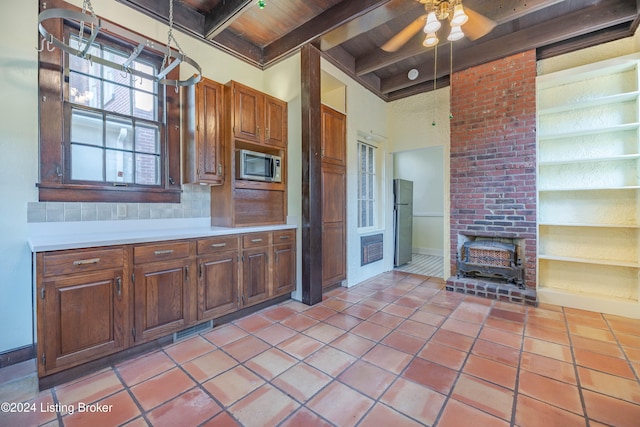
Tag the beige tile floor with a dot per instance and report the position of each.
(397, 350)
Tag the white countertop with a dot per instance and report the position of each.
(52, 236)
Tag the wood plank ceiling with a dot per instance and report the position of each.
(351, 33)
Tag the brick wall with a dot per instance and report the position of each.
(493, 154)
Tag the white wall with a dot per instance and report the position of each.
(19, 171)
(417, 123)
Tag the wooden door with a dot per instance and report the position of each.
(83, 318)
(333, 136)
(217, 285)
(333, 225)
(284, 268)
(161, 299)
(248, 113)
(209, 157)
(255, 285)
(275, 122)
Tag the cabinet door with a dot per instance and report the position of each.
(275, 122)
(209, 98)
(161, 299)
(333, 136)
(333, 225)
(255, 276)
(284, 269)
(217, 285)
(248, 113)
(83, 318)
(333, 254)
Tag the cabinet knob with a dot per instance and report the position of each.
(256, 240)
(119, 286)
(219, 169)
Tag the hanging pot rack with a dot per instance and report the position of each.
(171, 59)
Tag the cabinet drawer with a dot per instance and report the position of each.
(68, 262)
(217, 244)
(254, 240)
(160, 252)
(284, 236)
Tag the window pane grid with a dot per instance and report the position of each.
(115, 132)
(366, 185)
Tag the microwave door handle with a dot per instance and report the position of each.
(273, 168)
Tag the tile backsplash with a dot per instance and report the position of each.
(195, 203)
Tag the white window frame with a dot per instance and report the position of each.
(369, 173)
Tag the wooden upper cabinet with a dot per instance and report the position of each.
(275, 122)
(248, 113)
(203, 141)
(257, 117)
(333, 136)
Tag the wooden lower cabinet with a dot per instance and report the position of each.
(162, 292)
(93, 303)
(217, 285)
(255, 268)
(82, 302)
(284, 262)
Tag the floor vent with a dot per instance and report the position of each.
(194, 330)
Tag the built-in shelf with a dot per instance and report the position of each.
(589, 261)
(587, 132)
(588, 182)
(587, 225)
(623, 157)
(594, 102)
(628, 187)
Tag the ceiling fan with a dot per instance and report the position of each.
(452, 12)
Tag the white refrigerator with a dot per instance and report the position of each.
(402, 221)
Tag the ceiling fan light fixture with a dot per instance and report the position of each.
(433, 24)
(459, 16)
(455, 34)
(431, 40)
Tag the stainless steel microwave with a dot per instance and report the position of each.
(257, 166)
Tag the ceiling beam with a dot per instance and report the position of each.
(501, 12)
(223, 15)
(185, 18)
(368, 22)
(328, 20)
(575, 24)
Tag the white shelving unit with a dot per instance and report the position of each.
(589, 187)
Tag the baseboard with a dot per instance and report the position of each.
(17, 355)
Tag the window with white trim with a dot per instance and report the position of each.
(366, 185)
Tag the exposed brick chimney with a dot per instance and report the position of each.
(493, 154)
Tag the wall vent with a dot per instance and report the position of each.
(193, 330)
(371, 248)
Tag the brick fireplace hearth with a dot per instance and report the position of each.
(493, 167)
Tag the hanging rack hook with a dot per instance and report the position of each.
(176, 86)
(42, 41)
(50, 46)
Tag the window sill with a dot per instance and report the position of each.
(75, 193)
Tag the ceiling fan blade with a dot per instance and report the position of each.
(478, 25)
(406, 34)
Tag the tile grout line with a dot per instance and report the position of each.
(575, 369)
